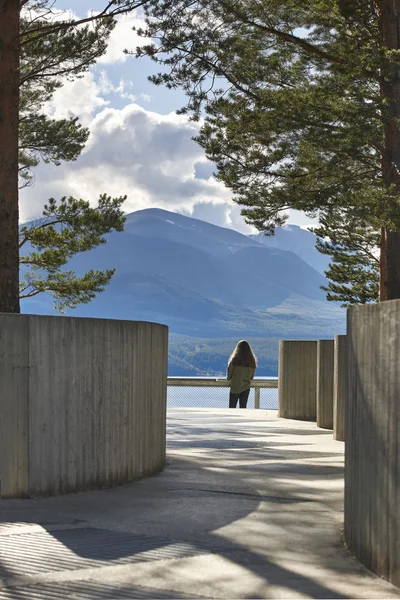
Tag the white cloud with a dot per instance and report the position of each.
(224, 215)
(106, 87)
(123, 37)
(299, 218)
(79, 98)
(83, 96)
(147, 156)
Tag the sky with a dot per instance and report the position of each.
(138, 145)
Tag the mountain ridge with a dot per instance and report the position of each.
(205, 280)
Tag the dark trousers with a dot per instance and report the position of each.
(242, 397)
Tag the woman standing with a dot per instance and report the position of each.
(241, 369)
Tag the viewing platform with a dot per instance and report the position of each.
(248, 506)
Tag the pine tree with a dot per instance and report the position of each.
(67, 227)
(301, 105)
(45, 56)
(353, 247)
(37, 48)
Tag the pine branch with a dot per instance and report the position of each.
(287, 37)
(106, 13)
(32, 294)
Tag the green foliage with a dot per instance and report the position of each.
(46, 57)
(49, 140)
(294, 112)
(54, 48)
(67, 227)
(354, 272)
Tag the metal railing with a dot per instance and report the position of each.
(192, 384)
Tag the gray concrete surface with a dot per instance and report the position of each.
(297, 373)
(82, 403)
(14, 405)
(372, 433)
(249, 506)
(325, 368)
(340, 386)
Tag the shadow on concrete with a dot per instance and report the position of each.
(177, 514)
(248, 431)
(302, 431)
(78, 590)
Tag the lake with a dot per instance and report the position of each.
(210, 397)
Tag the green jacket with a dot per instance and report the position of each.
(240, 378)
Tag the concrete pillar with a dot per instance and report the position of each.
(339, 386)
(297, 380)
(325, 365)
(372, 432)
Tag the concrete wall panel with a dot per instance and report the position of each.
(372, 433)
(340, 386)
(297, 386)
(325, 368)
(96, 398)
(14, 423)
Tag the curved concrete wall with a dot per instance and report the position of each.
(372, 433)
(82, 403)
(297, 385)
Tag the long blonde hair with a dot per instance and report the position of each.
(242, 356)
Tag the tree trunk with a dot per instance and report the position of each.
(393, 266)
(390, 90)
(9, 110)
(382, 267)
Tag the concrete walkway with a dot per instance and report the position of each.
(249, 506)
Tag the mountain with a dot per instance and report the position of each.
(197, 357)
(207, 281)
(296, 240)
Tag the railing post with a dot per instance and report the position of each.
(256, 397)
